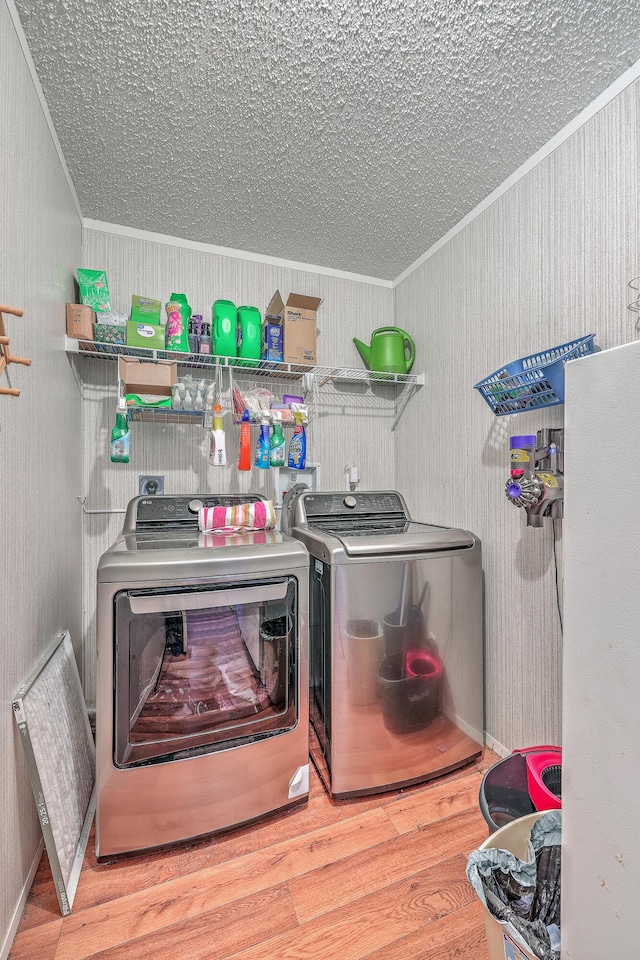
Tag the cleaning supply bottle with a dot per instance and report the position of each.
(178, 316)
(120, 437)
(224, 328)
(263, 447)
(298, 444)
(278, 445)
(218, 451)
(244, 453)
(204, 340)
(249, 336)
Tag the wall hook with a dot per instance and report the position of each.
(6, 357)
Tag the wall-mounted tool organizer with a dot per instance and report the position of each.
(6, 357)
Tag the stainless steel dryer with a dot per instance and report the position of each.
(396, 641)
(202, 702)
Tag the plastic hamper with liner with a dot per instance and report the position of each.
(516, 874)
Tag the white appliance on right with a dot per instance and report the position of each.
(601, 657)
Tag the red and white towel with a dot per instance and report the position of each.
(244, 517)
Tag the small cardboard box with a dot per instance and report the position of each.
(149, 335)
(80, 320)
(148, 376)
(298, 318)
(144, 310)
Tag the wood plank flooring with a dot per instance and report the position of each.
(373, 878)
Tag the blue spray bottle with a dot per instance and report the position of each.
(298, 444)
(263, 448)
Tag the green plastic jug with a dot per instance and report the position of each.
(224, 323)
(249, 333)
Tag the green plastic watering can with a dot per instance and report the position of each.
(388, 350)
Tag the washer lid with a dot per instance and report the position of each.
(186, 554)
(373, 538)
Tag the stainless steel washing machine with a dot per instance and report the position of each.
(396, 641)
(202, 701)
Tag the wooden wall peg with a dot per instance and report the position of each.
(5, 356)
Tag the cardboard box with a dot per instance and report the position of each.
(298, 318)
(148, 376)
(148, 335)
(144, 310)
(271, 341)
(80, 320)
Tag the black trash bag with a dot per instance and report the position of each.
(525, 894)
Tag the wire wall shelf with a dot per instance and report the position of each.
(301, 379)
(266, 368)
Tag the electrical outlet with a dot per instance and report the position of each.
(286, 477)
(149, 486)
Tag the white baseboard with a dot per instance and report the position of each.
(17, 914)
(493, 745)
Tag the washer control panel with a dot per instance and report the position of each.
(149, 513)
(350, 504)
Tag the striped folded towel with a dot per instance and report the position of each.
(244, 517)
(251, 537)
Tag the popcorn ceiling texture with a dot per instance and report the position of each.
(351, 134)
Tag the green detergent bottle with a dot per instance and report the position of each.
(249, 334)
(224, 321)
(178, 316)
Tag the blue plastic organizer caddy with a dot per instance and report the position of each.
(532, 382)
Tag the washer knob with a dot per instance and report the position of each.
(350, 502)
(194, 505)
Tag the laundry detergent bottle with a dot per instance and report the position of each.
(249, 336)
(224, 327)
(178, 316)
(298, 444)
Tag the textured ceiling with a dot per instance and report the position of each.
(352, 134)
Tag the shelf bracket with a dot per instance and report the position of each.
(402, 402)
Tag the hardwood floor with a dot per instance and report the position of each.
(381, 878)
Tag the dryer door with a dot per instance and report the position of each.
(203, 668)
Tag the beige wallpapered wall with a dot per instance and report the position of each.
(353, 423)
(40, 437)
(547, 263)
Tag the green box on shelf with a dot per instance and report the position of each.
(108, 333)
(147, 335)
(144, 310)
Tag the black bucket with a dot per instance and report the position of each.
(410, 701)
(274, 642)
(504, 792)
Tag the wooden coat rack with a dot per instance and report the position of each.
(6, 357)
